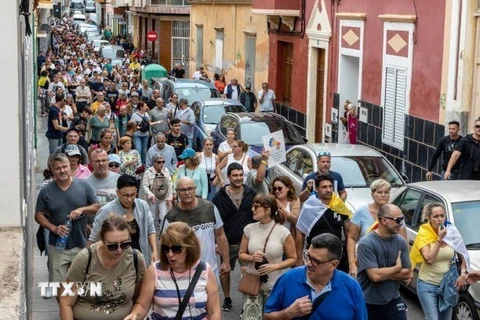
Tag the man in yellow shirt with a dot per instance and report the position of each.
(99, 102)
(134, 65)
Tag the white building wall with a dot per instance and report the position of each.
(10, 202)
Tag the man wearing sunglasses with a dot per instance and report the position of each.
(317, 290)
(166, 151)
(323, 165)
(383, 262)
(467, 152)
(203, 217)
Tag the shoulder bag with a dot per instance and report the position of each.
(250, 283)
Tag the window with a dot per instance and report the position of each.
(293, 159)
(285, 51)
(219, 50)
(181, 44)
(394, 106)
(426, 200)
(199, 54)
(228, 123)
(408, 203)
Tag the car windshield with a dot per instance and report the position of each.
(212, 114)
(252, 132)
(464, 213)
(193, 94)
(360, 172)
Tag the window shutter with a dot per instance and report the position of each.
(400, 95)
(389, 106)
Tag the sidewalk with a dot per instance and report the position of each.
(43, 309)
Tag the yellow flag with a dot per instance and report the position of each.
(425, 236)
(338, 206)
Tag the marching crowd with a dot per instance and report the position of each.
(170, 211)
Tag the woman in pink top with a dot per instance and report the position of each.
(78, 170)
(352, 119)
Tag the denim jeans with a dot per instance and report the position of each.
(54, 144)
(141, 146)
(428, 296)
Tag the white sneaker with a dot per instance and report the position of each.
(48, 293)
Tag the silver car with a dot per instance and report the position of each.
(358, 165)
(461, 200)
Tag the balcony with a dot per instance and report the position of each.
(178, 3)
(285, 8)
(121, 3)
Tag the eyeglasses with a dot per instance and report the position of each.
(313, 261)
(176, 249)
(185, 190)
(324, 154)
(160, 162)
(275, 189)
(123, 246)
(113, 165)
(397, 220)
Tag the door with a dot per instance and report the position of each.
(348, 90)
(319, 108)
(250, 43)
(181, 45)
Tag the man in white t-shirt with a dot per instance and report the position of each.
(204, 219)
(198, 74)
(266, 97)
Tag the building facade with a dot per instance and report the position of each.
(227, 38)
(170, 20)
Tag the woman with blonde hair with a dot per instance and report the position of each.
(435, 247)
(263, 247)
(166, 283)
(352, 122)
(239, 155)
(130, 158)
(365, 219)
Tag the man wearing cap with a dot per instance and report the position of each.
(79, 171)
(134, 100)
(73, 136)
(187, 119)
(114, 163)
(165, 150)
(323, 165)
(248, 99)
(266, 97)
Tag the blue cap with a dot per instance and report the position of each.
(187, 153)
(114, 158)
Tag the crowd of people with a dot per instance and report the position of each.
(128, 203)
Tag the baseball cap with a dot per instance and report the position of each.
(72, 150)
(187, 153)
(134, 94)
(183, 100)
(73, 129)
(114, 158)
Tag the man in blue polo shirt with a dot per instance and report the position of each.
(317, 289)
(323, 164)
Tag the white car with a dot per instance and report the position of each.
(79, 18)
(461, 199)
(97, 44)
(359, 166)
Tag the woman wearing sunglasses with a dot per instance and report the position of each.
(129, 157)
(166, 282)
(287, 201)
(156, 189)
(112, 262)
(268, 233)
(239, 155)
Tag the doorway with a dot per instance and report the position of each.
(319, 107)
(349, 75)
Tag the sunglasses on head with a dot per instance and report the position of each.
(324, 153)
(275, 189)
(112, 165)
(176, 248)
(123, 246)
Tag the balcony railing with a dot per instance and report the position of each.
(277, 7)
(169, 3)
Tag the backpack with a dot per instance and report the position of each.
(144, 125)
(159, 186)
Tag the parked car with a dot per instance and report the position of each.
(359, 166)
(98, 44)
(461, 200)
(208, 113)
(76, 6)
(251, 127)
(79, 18)
(115, 53)
(192, 90)
(90, 6)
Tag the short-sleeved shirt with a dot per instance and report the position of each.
(159, 115)
(267, 104)
(54, 113)
(58, 204)
(470, 158)
(337, 180)
(373, 252)
(97, 125)
(118, 285)
(137, 117)
(363, 218)
(260, 188)
(344, 302)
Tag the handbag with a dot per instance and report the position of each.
(250, 283)
(448, 296)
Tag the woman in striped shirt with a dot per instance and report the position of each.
(166, 282)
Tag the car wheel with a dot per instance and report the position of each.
(465, 310)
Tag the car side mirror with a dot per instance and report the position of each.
(404, 176)
(305, 140)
